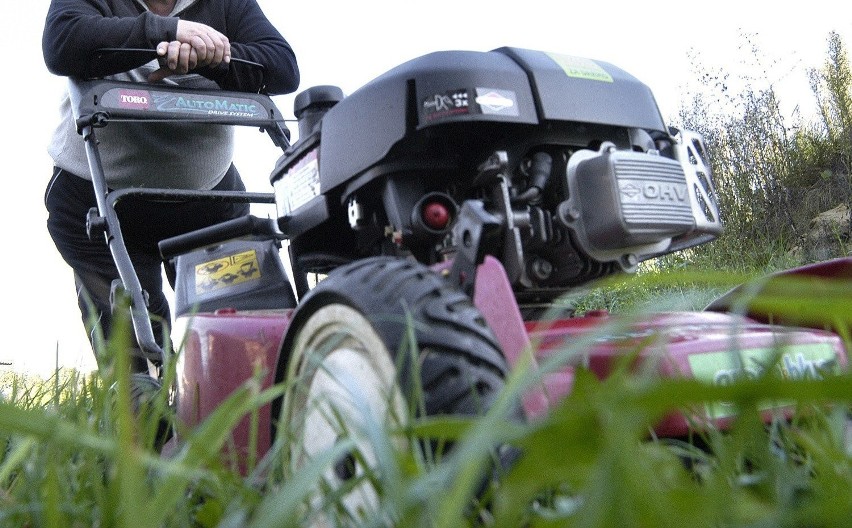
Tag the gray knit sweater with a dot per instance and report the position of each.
(157, 155)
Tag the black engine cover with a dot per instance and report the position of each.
(507, 85)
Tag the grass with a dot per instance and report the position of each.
(75, 456)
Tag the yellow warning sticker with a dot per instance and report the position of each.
(581, 67)
(226, 271)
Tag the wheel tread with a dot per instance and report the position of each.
(458, 353)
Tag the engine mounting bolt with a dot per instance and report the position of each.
(541, 268)
(569, 213)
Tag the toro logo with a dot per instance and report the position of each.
(137, 99)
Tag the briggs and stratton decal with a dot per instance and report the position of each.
(189, 103)
(796, 362)
(580, 67)
(226, 271)
(448, 104)
(493, 101)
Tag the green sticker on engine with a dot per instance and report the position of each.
(812, 361)
(580, 67)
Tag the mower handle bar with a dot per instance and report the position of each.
(152, 54)
(103, 219)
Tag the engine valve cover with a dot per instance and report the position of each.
(627, 205)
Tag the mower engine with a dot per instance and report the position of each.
(559, 166)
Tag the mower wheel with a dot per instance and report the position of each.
(375, 343)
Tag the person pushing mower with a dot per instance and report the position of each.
(194, 42)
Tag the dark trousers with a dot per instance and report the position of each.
(144, 223)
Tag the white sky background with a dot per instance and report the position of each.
(347, 44)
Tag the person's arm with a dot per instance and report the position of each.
(254, 38)
(75, 29)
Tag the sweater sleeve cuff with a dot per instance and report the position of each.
(160, 29)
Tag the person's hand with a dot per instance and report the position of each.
(175, 58)
(197, 45)
(211, 46)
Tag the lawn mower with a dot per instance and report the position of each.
(432, 220)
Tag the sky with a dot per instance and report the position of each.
(349, 43)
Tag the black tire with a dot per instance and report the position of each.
(365, 313)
